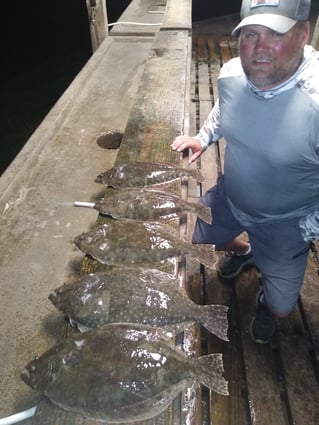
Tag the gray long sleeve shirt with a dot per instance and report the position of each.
(272, 142)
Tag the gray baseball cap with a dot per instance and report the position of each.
(278, 15)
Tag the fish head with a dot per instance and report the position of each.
(43, 370)
(93, 237)
(101, 178)
(79, 295)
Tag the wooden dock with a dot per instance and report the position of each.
(273, 384)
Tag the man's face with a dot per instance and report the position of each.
(269, 58)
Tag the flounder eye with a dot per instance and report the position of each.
(67, 357)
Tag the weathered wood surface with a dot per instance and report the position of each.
(148, 13)
(159, 110)
(97, 22)
(268, 384)
(178, 15)
(315, 34)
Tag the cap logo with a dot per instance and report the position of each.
(259, 3)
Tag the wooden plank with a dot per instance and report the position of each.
(214, 59)
(204, 92)
(264, 392)
(315, 36)
(230, 410)
(149, 13)
(178, 15)
(233, 45)
(225, 51)
(158, 115)
(191, 399)
(299, 374)
(97, 21)
(309, 304)
(201, 49)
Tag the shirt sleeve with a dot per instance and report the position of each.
(210, 131)
(309, 226)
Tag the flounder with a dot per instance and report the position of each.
(136, 295)
(130, 242)
(120, 373)
(138, 174)
(146, 204)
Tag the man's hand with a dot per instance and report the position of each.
(184, 142)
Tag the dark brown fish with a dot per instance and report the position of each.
(146, 204)
(135, 295)
(139, 174)
(130, 242)
(120, 373)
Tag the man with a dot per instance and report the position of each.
(268, 113)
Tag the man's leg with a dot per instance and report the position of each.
(281, 255)
(223, 232)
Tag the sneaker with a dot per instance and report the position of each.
(263, 326)
(233, 265)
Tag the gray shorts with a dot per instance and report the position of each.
(278, 248)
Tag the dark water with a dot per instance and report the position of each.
(44, 44)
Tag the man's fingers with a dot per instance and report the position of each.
(194, 157)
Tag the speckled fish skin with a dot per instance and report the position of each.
(135, 295)
(139, 174)
(130, 242)
(148, 204)
(120, 373)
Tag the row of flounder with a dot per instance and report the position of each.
(123, 366)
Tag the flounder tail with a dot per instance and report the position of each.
(204, 213)
(196, 174)
(214, 319)
(205, 254)
(209, 369)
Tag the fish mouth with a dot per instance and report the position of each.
(53, 297)
(28, 377)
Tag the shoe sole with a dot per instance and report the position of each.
(258, 340)
(238, 271)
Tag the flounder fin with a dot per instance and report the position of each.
(150, 408)
(196, 174)
(204, 213)
(214, 319)
(205, 254)
(210, 369)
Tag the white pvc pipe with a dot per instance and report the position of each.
(18, 417)
(133, 23)
(84, 204)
